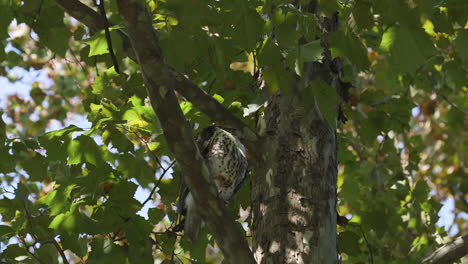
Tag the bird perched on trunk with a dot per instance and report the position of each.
(226, 159)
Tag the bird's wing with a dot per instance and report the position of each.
(203, 140)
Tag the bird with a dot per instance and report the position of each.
(226, 159)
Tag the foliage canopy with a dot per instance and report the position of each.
(401, 151)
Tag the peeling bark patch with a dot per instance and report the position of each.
(258, 255)
(261, 126)
(307, 236)
(263, 209)
(274, 247)
(273, 190)
(268, 178)
(163, 91)
(296, 211)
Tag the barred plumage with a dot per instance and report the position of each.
(226, 159)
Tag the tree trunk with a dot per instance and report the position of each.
(294, 186)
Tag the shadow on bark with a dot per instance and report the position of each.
(294, 187)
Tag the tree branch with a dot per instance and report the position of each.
(81, 12)
(108, 37)
(160, 81)
(203, 101)
(449, 253)
(93, 20)
(158, 182)
(57, 247)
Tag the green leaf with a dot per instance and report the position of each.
(8, 208)
(311, 51)
(98, 42)
(6, 231)
(218, 98)
(58, 200)
(349, 243)
(349, 46)
(421, 191)
(139, 169)
(456, 75)
(167, 242)
(13, 251)
(286, 32)
(40, 226)
(83, 149)
(118, 139)
(60, 133)
(137, 230)
(121, 196)
(48, 253)
(409, 48)
(56, 39)
(183, 45)
(76, 244)
(329, 7)
(36, 167)
(7, 162)
(362, 14)
(75, 222)
(51, 30)
(461, 42)
(143, 117)
(5, 20)
(169, 189)
(197, 250)
(269, 54)
(277, 78)
(457, 11)
(154, 146)
(99, 113)
(155, 215)
(37, 94)
(2, 130)
(104, 251)
(248, 29)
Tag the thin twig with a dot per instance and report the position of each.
(371, 255)
(28, 219)
(57, 246)
(27, 249)
(108, 37)
(78, 61)
(210, 85)
(38, 13)
(358, 152)
(465, 111)
(146, 144)
(158, 182)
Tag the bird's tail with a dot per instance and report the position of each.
(193, 220)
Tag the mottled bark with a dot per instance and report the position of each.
(294, 183)
(294, 187)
